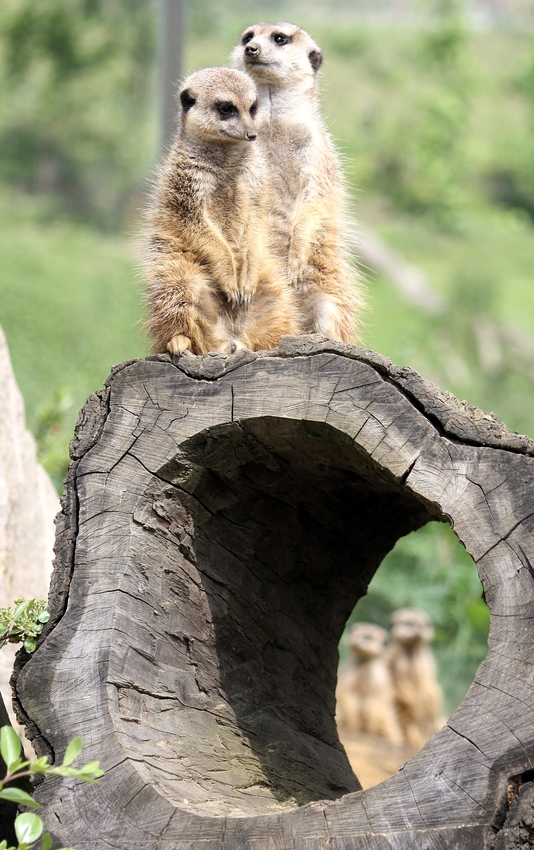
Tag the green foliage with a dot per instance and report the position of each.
(52, 435)
(28, 826)
(76, 94)
(419, 157)
(511, 179)
(22, 624)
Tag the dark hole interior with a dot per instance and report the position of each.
(280, 524)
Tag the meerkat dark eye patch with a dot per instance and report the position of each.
(187, 100)
(254, 108)
(281, 38)
(225, 108)
(247, 37)
(316, 59)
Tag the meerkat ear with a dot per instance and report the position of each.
(316, 59)
(187, 100)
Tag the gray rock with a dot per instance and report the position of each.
(28, 505)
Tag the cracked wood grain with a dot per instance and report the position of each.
(222, 516)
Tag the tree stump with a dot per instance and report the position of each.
(222, 517)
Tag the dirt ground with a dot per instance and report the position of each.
(373, 759)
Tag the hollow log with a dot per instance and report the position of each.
(222, 517)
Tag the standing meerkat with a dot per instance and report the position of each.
(210, 284)
(418, 696)
(364, 693)
(306, 193)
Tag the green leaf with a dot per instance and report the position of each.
(64, 771)
(92, 768)
(29, 644)
(3, 845)
(44, 617)
(10, 746)
(28, 827)
(17, 795)
(40, 765)
(47, 841)
(73, 751)
(20, 609)
(17, 765)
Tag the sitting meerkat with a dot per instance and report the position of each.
(306, 192)
(210, 284)
(418, 696)
(364, 691)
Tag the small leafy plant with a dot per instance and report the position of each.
(28, 826)
(22, 624)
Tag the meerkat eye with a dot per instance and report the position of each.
(247, 37)
(254, 108)
(279, 38)
(225, 108)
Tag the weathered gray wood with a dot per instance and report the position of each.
(222, 516)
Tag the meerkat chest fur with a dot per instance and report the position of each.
(206, 181)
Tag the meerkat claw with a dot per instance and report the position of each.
(179, 344)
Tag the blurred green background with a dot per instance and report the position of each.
(431, 103)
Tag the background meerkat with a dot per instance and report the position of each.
(364, 694)
(418, 697)
(204, 257)
(306, 193)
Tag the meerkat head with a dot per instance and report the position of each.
(411, 626)
(218, 105)
(366, 640)
(278, 55)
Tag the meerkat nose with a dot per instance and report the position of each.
(250, 50)
(250, 136)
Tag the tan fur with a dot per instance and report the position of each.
(210, 284)
(306, 191)
(418, 696)
(364, 691)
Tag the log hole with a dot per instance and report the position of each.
(428, 570)
(266, 533)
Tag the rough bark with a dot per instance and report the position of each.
(222, 517)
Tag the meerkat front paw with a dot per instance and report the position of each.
(241, 293)
(179, 344)
(240, 297)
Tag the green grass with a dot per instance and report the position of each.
(70, 302)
